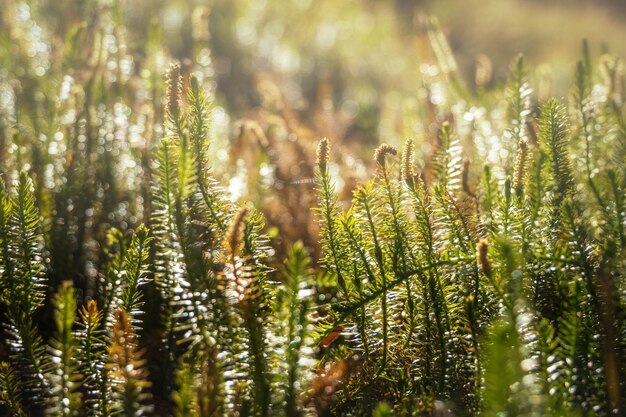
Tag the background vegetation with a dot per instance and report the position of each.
(176, 238)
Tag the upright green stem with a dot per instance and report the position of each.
(327, 212)
(378, 253)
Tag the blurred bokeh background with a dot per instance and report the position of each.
(356, 43)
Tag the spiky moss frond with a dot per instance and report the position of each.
(554, 137)
(211, 195)
(190, 223)
(183, 323)
(108, 286)
(191, 208)
(177, 155)
(10, 390)
(179, 273)
(575, 373)
(244, 336)
(136, 274)
(363, 275)
(170, 262)
(28, 354)
(294, 352)
(332, 241)
(365, 198)
(256, 251)
(518, 93)
(390, 196)
(24, 269)
(395, 230)
(457, 292)
(581, 278)
(127, 371)
(91, 354)
(513, 381)
(164, 189)
(250, 348)
(28, 248)
(244, 281)
(64, 379)
(432, 309)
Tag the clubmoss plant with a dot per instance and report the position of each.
(480, 273)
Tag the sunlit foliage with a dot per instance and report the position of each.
(475, 267)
